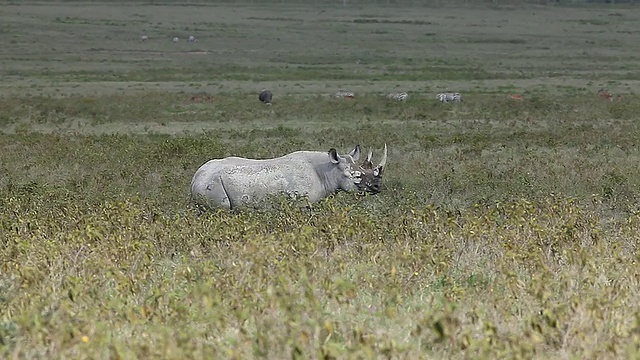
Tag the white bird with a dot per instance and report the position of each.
(175, 39)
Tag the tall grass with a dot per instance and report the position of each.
(530, 207)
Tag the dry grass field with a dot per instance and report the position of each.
(506, 228)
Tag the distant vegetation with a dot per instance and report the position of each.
(368, 2)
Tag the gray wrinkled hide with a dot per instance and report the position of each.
(235, 182)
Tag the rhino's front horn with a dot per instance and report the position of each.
(369, 156)
(383, 162)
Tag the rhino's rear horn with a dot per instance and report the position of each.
(383, 162)
(355, 153)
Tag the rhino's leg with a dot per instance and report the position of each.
(201, 209)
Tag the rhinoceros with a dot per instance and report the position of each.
(236, 182)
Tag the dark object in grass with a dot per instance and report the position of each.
(265, 96)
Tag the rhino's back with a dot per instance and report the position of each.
(300, 161)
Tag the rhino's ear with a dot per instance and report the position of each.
(355, 153)
(333, 155)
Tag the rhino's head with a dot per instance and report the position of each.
(369, 178)
(346, 165)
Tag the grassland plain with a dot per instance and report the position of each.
(506, 229)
